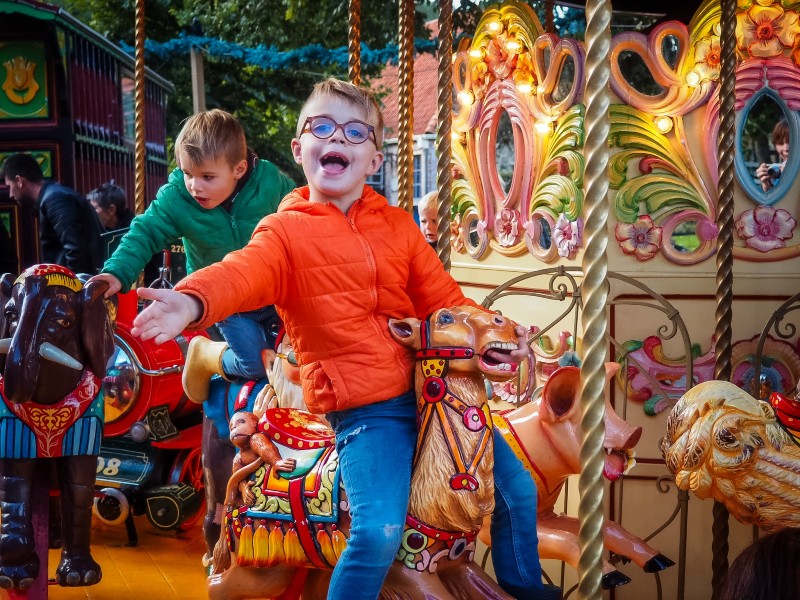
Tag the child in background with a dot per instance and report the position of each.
(339, 262)
(429, 217)
(213, 200)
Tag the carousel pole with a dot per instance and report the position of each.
(139, 155)
(594, 319)
(724, 295)
(444, 126)
(354, 42)
(405, 142)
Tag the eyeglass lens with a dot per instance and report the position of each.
(355, 132)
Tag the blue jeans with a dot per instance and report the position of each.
(248, 334)
(380, 438)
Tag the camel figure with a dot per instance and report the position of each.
(287, 541)
(545, 434)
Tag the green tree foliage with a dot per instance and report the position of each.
(267, 103)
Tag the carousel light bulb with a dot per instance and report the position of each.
(693, 78)
(543, 127)
(664, 124)
(513, 46)
(455, 137)
(524, 87)
(476, 53)
(495, 26)
(466, 98)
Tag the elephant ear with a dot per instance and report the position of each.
(96, 331)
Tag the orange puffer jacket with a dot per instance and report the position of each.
(336, 280)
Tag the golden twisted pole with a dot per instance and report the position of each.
(139, 155)
(594, 319)
(405, 142)
(354, 42)
(724, 296)
(444, 125)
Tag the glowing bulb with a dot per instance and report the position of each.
(513, 46)
(524, 87)
(664, 124)
(465, 97)
(476, 53)
(543, 127)
(693, 78)
(495, 26)
(456, 137)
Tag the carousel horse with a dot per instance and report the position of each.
(289, 538)
(283, 390)
(545, 435)
(722, 443)
(55, 341)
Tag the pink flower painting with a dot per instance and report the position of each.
(765, 228)
(641, 238)
(567, 235)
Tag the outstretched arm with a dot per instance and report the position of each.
(168, 315)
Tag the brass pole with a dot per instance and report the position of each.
(595, 290)
(405, 134)
(139, 156)
(724, 295)
(444, 125)
(354, 42)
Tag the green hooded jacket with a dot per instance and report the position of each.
(208, 234)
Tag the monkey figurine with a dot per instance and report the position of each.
(255, 449)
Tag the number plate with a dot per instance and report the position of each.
(125, 463)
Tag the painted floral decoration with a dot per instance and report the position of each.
(765, 30)
(765, 228)
(567, 235)
(524, 73)
(642, 238)
(507, 227)
(707, 54)
(501, 62)
(480, 78)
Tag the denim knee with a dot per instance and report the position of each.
(377, 544)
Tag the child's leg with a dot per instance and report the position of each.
(515, 551)
(247, 338)
(376, 447)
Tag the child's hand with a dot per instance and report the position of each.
(523, 350)
(167, 316)
(114, 284)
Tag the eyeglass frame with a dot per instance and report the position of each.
(370, 128)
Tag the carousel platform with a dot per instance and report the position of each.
(163, 565)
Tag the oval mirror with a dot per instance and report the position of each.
(504, 152)
(764, 128)
(565, 79)
(635, 71)
(669, 50)
(474, 240)
(684, 237)
(545, 234)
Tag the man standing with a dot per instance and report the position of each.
(69, 232)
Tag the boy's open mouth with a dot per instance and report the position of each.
(333, 162)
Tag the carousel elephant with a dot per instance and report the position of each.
(55, 341)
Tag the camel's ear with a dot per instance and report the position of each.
(561, 394)
(406, 331)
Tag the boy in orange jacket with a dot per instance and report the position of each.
(337, 261)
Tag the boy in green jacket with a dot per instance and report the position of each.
(213, 200)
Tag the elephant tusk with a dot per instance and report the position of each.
(50, 352)
(5, 345)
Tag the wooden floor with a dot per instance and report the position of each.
(162, 566)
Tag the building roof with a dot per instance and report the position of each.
(387, 87)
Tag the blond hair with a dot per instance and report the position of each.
(360, 98)
(429, 201)
(211, 135)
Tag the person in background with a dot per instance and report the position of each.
(69, 231)
(109, 202)
(768, 569)
(770, 175)
(429, 217)
(213, 200)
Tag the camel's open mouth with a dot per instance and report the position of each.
(618, 462)
(496, 357)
